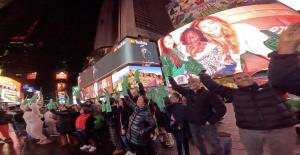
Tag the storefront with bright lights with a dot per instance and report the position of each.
(10, 90)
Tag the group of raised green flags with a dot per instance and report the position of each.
(156, 94)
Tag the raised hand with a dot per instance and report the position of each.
(289, 39)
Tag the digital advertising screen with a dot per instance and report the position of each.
(61, 86)
(230, 41)
(149, 76)
(182, 12)
(31, 76)
(9, 90)
(61, 76)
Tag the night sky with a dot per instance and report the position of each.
(64, 35)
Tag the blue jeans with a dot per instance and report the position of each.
(126, 143)
(114, 135)
(209, 132)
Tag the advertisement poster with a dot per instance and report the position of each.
(144, 51)
(61, 76)
(149, 76)
(107, 84)
(61, 86)
(182, 12)
(61, 95)
(10, 90)
(230, 41)
(31, 76)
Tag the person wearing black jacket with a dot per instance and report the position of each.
(141, 124)
(262, 114)
(112, 120)
(179, 125)
(204, 109)
(125, 113)
(284, 68)
(66, 124)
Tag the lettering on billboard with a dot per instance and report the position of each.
(182, 12)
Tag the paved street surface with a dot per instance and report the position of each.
(105, 147)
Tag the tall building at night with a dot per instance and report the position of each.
(131, 18)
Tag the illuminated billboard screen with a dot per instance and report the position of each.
(31, 76)
(61, 76)
(230, 41)
(9, 90)
(61, 86)
(128, 51)
(184, 12)
(149, 76)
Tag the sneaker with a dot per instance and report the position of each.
(85, 147)
(117, 152)
(130, 153)
(46, 141)
(92, 149)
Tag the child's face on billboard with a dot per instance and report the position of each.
(169, 42)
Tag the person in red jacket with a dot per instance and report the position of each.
(84, 124)
(4, 129)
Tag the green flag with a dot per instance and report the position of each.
(51, 105)
(75, 91)
(107, 96)
(273, 41)
(137, 76)
(125, 85)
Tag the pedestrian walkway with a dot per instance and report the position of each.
(105, 148)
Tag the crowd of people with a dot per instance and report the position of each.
(135, 122)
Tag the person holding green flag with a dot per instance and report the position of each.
(134, 94)
(111, 116)
(32, 117)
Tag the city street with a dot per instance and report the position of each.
(105, 147)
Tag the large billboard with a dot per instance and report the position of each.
(149, 76)
(128, 51)
(9, 90)
(182, 12)
(61, 76)
(31, 76)
(230, 41)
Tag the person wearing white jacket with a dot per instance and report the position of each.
(34, 124)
